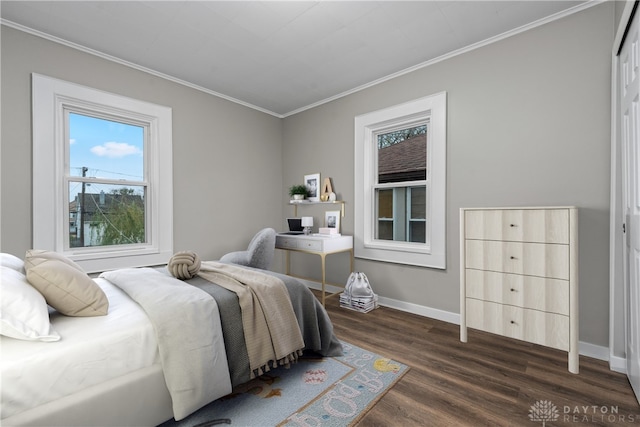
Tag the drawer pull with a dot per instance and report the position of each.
(513, 322)
(512, 225)
(512, 257)
(513, 290)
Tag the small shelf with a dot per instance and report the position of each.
(297, 203)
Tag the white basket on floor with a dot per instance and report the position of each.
(363, 305)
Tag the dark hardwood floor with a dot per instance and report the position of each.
(488, 381)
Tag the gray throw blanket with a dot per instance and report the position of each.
(271, 331)
(313, 320)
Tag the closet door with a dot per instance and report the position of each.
(629, 67)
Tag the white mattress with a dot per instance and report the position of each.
(92, 350)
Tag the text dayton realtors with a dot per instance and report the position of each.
(594, 413)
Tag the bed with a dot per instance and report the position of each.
(119, 369)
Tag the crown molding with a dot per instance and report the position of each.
(454, 53)
(120, 61)
(425, 64)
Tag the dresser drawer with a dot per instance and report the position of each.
(518, 225)
(538, 293)
(534, 326)
(533, 259)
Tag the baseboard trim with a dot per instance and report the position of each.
(618, 364)
(421, 310)
(585, 349)
(595, 351)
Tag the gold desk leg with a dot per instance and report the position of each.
(323, 278)
(287, 263)
(351, 261)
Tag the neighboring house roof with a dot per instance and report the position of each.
(96, 202)
(403, 161)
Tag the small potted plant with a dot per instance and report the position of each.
(298, 192)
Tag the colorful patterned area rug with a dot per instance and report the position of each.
(331, 391)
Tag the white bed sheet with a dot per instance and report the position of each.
(92, 350)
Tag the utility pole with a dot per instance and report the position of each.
(84, 174)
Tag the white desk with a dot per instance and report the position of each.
(315, 245)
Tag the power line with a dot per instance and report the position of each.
(108, 172)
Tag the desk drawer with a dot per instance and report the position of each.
(529, 325)
(286, 242)
(533, 259)
(300, 243)
(310, 245)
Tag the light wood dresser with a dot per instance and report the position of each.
(519, 275)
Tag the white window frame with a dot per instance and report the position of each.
(433, 110)
(50, 98)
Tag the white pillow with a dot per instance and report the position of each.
(12, 261)
(23, 311)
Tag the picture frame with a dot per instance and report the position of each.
(312, 181)
(332, 220)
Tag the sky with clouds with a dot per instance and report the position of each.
(108, 149)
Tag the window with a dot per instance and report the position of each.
(401, 177)
(99, 196)
(400, 173)
(106, 185)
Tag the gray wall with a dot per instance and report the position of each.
(227, 159)
(528, 125)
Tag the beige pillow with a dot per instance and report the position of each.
(64, 285)
(40, 253)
